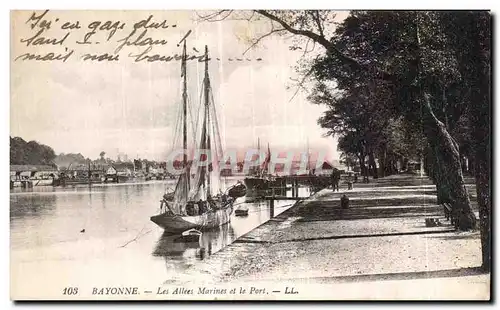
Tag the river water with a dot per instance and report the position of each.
(101, 236)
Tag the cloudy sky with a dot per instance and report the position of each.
(131, 107)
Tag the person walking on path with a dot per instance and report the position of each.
(349, 181)
(335, 179)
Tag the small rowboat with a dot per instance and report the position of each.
(241, 211)
(192, 235)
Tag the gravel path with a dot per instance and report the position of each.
(381, 240)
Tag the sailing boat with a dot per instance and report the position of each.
(262, 180)
(256, 179)
(201, 205)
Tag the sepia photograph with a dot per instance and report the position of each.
(262, 155)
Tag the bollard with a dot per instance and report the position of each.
(344, 202)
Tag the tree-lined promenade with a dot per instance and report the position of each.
(377, 248)
(401, 85)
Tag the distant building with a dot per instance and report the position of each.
(20, 172)
(123, 169)
(111, 171)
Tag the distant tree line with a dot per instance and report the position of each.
(30, 153)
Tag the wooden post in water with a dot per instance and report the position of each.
(271, 205)
(89, 174)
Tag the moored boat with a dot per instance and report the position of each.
(238, 190)
(256, 183)
(198, 202)
(261, 180)
(175, 223)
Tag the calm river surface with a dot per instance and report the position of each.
(120, 245)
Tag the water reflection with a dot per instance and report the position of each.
(175, 247)
(180, 255)
(46, 225)
(31, 205)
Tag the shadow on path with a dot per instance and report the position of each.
(446, 273)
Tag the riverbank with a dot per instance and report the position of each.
(379, 248)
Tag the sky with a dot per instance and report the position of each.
(131, 107)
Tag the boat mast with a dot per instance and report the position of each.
(184, 108)
(308, 158)
(267, 160)
(207, 114)
(258, 172)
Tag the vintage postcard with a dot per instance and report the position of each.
(250, 155)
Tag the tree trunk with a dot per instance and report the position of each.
(404, 164)
(429, 164)
(373, 165)
(483, 198)
(450, 177)
(389, 166)
(364, 171)
(382, 165)
(442, 190)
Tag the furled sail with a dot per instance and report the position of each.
(198, 189)
(181, 194)
(181, 135)
(207, 180)
(267, 160)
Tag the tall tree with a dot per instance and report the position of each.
(468, 35)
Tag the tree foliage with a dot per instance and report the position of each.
(30, 153)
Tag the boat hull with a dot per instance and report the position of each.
(256, 183)
(241, 212)
(237, 191)
(178, 224)
(264, 183)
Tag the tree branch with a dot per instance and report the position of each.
(210, 17)
(318, 22)
(301, 84)
(262, 37)
(318, 38)
(329, 46)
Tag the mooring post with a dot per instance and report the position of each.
(271, 205)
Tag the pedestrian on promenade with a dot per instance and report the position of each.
(349, 181)
(335, 179)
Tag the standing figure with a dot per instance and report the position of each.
(335, 179)
(349, 181)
